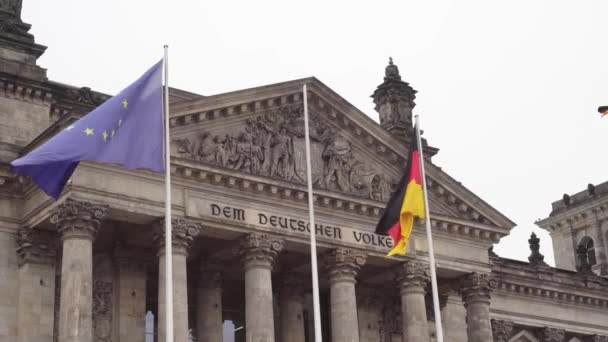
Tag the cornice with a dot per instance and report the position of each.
(576, 217)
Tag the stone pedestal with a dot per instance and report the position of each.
(502, 330)
(77, 223)
(476, 296)
(342, 266)
(258, 253)
(291, 309)
(131, 295)
(453, 315)
(183, 234)
(412, 281)
(209, 317)
(36, 298)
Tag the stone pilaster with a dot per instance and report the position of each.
(131, 294)
(182, 233)
(77, 223)
(453, 315)
(36, 250)
(476, 295)
(552, 335)
(502, 330)
(342, 266)
(412, 281)
(291, 309)
(209, 317)
(258, 253)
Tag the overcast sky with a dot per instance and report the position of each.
(507, 90)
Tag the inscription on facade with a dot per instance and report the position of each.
(273, 221)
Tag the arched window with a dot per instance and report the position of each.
(587, 250)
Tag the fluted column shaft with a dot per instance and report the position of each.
(183, 234)
(258, 253)
(291, 309)
(36, 297)
(476, 296)
(342, 266)
(209, 307)
(77, 223)
(413, 280)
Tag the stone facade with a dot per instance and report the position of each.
(90, 267)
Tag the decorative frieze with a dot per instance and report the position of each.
(260, 250)
(552, 335)
(183, 233)
(76, 219)
(36, 246)
(343, 264)
(501, 330)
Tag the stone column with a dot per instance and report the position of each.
(131, 294)
(342, 266)
(209, 315)
(77, 223)
(476, 296)
(291, 309)
(258, 253)
(412, 281)
(501, 330)
(36, 296)
(553, 335)
(453, 315)
(183, 234)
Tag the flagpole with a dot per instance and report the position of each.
(429, 237)
(311, 219)
(168, 232)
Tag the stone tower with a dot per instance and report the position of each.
(25, 110)
(394, 100)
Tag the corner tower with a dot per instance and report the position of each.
(394, 100)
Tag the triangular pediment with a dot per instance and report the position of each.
(260, 132)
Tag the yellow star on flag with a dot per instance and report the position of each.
(88, 131)
(105, 135)
(119, 122)
(113, 132)
(125, 103)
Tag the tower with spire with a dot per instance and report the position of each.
(394, 100)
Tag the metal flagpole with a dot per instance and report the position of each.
(313, 238)
(168, 232)
(429, 236)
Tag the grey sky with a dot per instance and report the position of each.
(507, 90)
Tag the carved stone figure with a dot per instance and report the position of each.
(272, 144)
(102, 311)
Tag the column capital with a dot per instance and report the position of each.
(343, 264)
(553, 334)
(501, 330)
(412, 277)
(209, 279)
(477, 288)
(260, 250)
(78, 219)
(183, 233)
(36, 246)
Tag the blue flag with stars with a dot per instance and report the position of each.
(127, 129)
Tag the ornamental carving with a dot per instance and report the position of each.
(78, 219)
(501, 330)
(102, 311)
(272, 145)
(36, 246)
(259, 250)
(390, 322)
(553, 335)
(413, 276)
(85, 96)
(536, 258)
(11, 6)
(183, 233)
(597, 338)
(343, 264)
(477, 287)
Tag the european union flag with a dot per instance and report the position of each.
(126, 129)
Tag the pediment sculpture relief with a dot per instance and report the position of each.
(272, 144)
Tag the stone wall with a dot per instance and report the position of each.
(8, 287)
(21, 120)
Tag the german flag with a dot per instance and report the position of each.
(405, 204)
